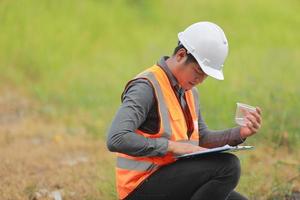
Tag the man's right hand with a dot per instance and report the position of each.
(180, 148)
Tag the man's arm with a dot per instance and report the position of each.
(137, 101)
(217, 138)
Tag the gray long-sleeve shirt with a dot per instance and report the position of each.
(138, 111)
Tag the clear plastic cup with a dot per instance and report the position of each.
(241, 110)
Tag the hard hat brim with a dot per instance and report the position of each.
(217, 74)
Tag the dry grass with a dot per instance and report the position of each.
(269, 173)
(38, 157)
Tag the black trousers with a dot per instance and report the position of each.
(208, 177)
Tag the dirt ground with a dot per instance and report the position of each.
(40, 159)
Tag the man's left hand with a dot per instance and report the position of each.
(253, 124)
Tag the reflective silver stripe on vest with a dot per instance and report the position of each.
(161, 103)
(196, 100)
(189, 141)
(126, 163)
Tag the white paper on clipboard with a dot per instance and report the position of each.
(214, 150)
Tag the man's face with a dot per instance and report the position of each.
(189, 74)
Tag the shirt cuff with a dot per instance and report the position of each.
(236, 138)
(161, 146)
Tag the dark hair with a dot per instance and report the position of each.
(190, 57)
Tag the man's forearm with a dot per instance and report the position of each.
(210, 139)
(137, 145)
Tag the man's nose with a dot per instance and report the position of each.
(200, 79)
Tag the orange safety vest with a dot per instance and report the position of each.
(132, 171)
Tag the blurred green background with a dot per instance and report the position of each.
(74, 57)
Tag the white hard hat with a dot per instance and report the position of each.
(207, 42)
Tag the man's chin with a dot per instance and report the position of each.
(188, 87)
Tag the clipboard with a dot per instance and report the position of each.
(225, 148)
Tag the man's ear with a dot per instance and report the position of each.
(181, 56)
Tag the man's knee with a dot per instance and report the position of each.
(232, 167)
(233, 161)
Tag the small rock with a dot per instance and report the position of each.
(56, 195)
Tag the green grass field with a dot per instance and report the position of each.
(74, 58)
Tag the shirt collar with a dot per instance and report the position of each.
(162, 63)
